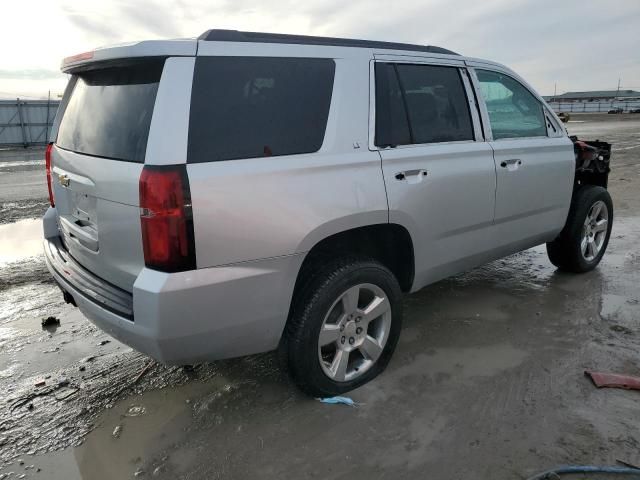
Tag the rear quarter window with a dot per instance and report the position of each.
(109, 111)
(248, 107)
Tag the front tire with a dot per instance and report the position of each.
(584, 238)
(344, 327)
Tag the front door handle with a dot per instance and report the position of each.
(511, 161)
(411, 173)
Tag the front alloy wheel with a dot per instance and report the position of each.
(584, 238)
(594, 232)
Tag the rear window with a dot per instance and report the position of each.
(109, 111)
(248, 107)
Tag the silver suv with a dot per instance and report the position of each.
(242, 192)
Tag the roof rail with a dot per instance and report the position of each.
(217, 35)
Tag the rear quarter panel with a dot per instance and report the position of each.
(269, 207)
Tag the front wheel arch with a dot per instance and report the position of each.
(566, 251)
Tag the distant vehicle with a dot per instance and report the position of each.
(635, 110)
(616, 110)
(243, 192)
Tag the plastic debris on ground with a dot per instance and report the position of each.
(555, 473)
(339, 400)
(613, 380)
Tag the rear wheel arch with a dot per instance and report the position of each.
(399, 259)
(390, 244)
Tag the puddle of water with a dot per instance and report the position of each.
(20, 240)
(104, 455)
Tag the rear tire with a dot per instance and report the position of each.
(584, 238)
(344, 326)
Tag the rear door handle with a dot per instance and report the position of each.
(510, 162)
(411, 173)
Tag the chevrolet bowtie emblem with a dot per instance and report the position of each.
(64, 180)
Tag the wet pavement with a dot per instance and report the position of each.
(487, 380)
(23, 191)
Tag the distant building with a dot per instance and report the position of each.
(595, 96)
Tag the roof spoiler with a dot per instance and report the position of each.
(148, 48)
(73, 59)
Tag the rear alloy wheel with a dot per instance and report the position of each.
(585, 236)
(354, 332)
(344, 327)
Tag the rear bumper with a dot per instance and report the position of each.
(72, 276)
(186, 317)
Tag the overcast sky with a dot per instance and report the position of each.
(578, 44)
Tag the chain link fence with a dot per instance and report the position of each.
(595, 107)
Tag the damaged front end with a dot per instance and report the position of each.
(592, 162)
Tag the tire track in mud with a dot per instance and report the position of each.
(60, 413)
(36, 420)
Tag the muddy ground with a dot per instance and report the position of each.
(487, 381)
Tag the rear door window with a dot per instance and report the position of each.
(436, 103)
(431, 98)
(109, 112)
(392, 124)
(248, 107)
(513, 111)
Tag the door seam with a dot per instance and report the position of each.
(384, 184)
(495, 173)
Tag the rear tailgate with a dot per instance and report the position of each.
(97, 159)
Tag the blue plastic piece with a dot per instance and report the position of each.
(335, 400)
(569, 469)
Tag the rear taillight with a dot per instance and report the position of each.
(166, 219)
(47, 162)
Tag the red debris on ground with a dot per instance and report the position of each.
(613, 380)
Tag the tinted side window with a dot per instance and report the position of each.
(247, 107)
(392, 126)
(109, 111)
(436, 103)
(513, 111)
